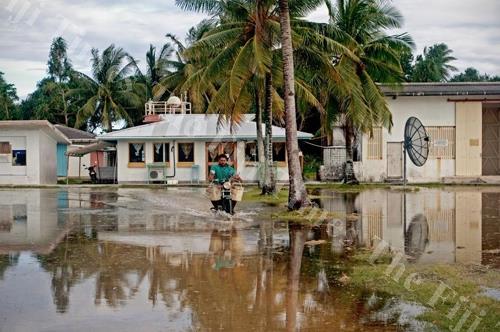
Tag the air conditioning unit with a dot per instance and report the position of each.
(156, 174)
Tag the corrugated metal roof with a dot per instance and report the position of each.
(442, 89)
(194, 127)
(44, 125)
(74, 134)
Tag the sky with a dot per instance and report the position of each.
(470, 28)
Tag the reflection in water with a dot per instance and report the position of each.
(128, 252)
(416, 237)
(432, 226)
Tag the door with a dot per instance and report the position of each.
(62, 160)
(216, 148)
(491, 141)
(395, 160)
(468, 117)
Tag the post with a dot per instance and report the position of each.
(67, 169)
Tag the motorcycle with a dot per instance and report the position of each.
(92, 173)
(224, 197)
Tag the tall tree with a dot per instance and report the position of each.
(186, 69)
(110, 89)
(472, 75)
(434, 64)
(360, 25)
(243, 47)
(297, 196)
(60, 71)
(8, 97)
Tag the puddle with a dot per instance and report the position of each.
(143, 259)
(492, 293)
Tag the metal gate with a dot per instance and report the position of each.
(491, 141)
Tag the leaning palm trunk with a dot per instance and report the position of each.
(297, 196)
(349, 176)
(269, 186)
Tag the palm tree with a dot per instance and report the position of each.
(244, 47)
(110, 90)
(186, 69)
(433, 65)
(157, 66)
(360, 25)
(297, 195)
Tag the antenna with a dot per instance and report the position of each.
(416, 143)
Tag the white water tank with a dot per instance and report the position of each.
(174, 101)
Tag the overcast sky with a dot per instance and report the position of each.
(470, 28)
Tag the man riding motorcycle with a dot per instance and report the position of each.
(221, 173)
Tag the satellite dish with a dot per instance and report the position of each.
(416, 143)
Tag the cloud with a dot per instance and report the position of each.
(27, 27)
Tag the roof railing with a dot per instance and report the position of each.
(165, 107)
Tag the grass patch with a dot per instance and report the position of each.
(253, 194)
(308, 215)
(465, 281)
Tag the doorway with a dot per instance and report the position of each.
(395, 160)
(491, 140)
(213, 149)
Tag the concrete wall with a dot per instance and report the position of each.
(248, 171)
(47, 152)
(432, 111)
(76, 166)
(33, 217)
(22, 140)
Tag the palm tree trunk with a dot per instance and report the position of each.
(297, 196)
(349, 176)
(269, 186)
(260, 135)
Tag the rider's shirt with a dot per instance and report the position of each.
(222, 173)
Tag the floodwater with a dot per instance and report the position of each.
(85, 259)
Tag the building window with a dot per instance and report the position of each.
(5, 152)
(442, 142)
(18, 157)
(136, 153)
(185, 153)
(161, 152)
(374, 148)
(251, 154)
(279, 152)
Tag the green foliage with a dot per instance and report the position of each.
(434, 64)
(8, 97)
(110, 91)
(472, 75)
(59, 66)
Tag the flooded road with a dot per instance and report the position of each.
(157, 260)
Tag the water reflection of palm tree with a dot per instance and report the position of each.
(298, 235)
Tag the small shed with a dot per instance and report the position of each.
(28, 152)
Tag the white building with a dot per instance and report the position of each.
(28, 152)
(182, 146)
(462, 120)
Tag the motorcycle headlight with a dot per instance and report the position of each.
(227, 185)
